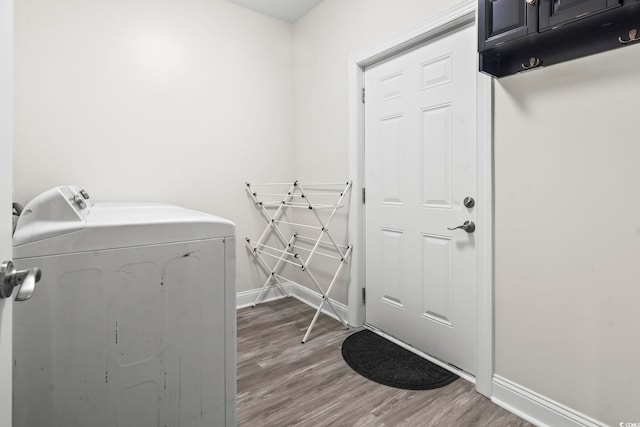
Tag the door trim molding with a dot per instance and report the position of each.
(449, 20)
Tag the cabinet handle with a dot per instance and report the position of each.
(633, 37)
(533, 63)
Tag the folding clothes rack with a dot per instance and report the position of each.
(299, 196)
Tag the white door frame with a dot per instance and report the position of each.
(6, 172)
(449, 20)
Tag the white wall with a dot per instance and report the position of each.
(6, 137)
(179, 101)
(566, 214)
(567, 233)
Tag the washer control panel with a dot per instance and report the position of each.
(76, 197)
(57, 211)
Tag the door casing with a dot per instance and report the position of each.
(447, 21)
(6, 142)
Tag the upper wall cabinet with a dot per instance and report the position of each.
(505, 20)
(520, 35)
(558, 12)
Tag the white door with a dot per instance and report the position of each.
(6, 102)
(420, 165)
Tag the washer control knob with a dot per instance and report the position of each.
(84, 194)
(79, 201)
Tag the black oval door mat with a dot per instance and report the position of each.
(384, 362)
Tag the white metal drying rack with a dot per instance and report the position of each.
(298, 196)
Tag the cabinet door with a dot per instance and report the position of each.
(505, 20)
(557, 12)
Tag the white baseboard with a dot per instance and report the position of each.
(247, 298)
(314, 299)
(535, 408)
(299, 292)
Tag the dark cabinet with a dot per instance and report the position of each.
(519, 35)
(558, 12)
(505, 20)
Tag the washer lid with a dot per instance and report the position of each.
(55, 223)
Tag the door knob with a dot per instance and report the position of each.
(468, 226)
(24, 280)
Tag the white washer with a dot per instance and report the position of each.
(133, 322)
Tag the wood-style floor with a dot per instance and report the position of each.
(282, 382)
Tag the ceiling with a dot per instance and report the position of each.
(285, 10)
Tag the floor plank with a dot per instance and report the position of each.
(282, 382)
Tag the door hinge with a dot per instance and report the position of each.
(364, 195)
(363, 95)
(364, 295)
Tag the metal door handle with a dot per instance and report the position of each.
(468, 226)
(24, 280)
